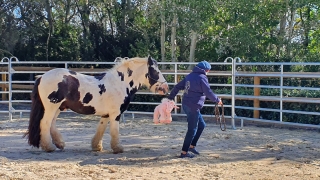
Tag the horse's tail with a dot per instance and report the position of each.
(36, 114)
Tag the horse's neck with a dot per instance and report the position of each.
(136, 76)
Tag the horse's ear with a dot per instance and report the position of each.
(118, 59)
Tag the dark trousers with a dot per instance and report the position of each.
(196, 125)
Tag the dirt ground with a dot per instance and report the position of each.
(151, 152)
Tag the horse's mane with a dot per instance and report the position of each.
(124, 62)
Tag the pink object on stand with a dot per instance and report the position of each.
(162, 112)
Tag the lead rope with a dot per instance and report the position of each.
(220, 117)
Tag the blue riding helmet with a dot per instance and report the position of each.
(204, 65)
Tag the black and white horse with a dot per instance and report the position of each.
(107, 95)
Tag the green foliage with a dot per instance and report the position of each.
(255, 31)
(64, 37)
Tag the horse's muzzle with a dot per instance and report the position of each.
(163, 89)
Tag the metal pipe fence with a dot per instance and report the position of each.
(234, 66)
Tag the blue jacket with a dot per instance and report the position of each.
(196, 89)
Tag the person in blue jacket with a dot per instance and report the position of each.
(196, 89)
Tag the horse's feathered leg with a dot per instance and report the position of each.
(45, 125)
(114, 133)
(96, 143)
(55, 134)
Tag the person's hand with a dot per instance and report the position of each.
(220, 102)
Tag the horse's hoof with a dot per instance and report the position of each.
(117, 150)
(48, 147)
(60, 145)
(99, 147)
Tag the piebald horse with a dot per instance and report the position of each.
(107, 95)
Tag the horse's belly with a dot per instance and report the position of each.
(77, 107)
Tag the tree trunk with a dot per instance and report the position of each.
(173, 38)
(122, 28)
(49, 17)
(110, 20)
(290, 30)
(84, 11)
(281, 34)
(183, 48)
(306, 28)
(66, 17)
(162, 38)
(194, 36)
(129, 11)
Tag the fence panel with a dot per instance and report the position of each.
(289, 81)
(17, 79)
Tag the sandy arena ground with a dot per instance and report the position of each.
(151, 152)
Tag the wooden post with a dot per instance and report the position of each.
(4, 87)
(256, 102)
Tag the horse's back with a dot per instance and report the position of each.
(58, 73)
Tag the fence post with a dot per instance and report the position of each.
(4, 79)
(10, 72)
(4, 86)
(234, 69)
(281, 93)
(256, 102)
(233, 101)
(176, 80)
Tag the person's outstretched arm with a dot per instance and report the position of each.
(176, 89)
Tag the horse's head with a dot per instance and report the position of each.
(157, 82)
